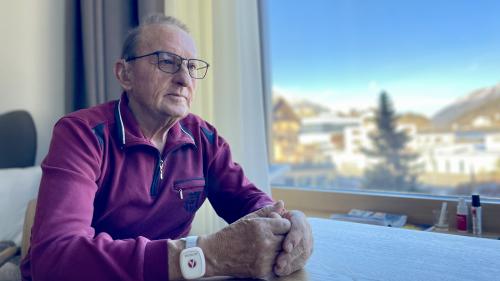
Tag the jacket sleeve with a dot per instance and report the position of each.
(230, 192)
(64, 246)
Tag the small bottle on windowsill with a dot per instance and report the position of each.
(462, 215)
(476, 215)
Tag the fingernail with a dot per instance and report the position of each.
(289, 247)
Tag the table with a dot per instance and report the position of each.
(353, 251)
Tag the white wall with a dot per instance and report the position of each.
(32, 62)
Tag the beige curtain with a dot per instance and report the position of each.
(231, 96)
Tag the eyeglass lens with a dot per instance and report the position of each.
(171, 63)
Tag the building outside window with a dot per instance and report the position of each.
(386, 95)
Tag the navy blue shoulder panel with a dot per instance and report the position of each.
(209, 134)
(99, 133)
(185, 130)
(119, 124)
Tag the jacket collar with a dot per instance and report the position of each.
(129, 133)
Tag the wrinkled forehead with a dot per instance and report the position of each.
(170, 38)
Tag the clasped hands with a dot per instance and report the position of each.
(271, 239)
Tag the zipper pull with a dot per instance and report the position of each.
(161, 169)
(180, 194)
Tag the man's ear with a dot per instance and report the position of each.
(122, 74)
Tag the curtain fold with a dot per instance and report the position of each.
(231, 96)
(95, 32)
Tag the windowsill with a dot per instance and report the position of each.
(439, 198)
(489, 235)
(418, 207)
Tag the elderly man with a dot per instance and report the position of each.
(122, 181)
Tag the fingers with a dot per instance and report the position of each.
(295, 234)
(293, 248)
(274, 215)
(284, 258)
(278, 226)
(291, 240)
(284, 263)
(276, 242)
(297, 245)
(299, 228)
(287, 263)
(278, 207)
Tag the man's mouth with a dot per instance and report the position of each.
(175, 95)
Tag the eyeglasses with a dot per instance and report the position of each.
(171, 63)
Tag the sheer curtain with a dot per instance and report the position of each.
(231, 97)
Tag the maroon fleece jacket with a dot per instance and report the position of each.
(109, 200)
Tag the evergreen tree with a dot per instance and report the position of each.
(392, 170)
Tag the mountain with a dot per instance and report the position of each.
(305, 108)
(479, 108)
(419, 120)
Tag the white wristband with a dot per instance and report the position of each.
(192, 260)
(191, 241)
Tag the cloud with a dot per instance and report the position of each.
(423, 100)
(473, 67)
(373, 86)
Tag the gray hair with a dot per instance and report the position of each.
(129, 47)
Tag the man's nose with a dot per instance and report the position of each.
(182, 76)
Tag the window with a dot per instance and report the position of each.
(386, 95)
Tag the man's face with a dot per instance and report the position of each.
(162, 95)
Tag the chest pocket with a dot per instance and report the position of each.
(190, 192)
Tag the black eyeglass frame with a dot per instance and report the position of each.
(179, 66)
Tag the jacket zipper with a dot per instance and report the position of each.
(158, 176)
(161, 169)
(180, 189)
(181, 196)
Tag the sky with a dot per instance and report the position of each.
(342, 53)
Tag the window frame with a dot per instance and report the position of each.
(322, 203)
(418, 207)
